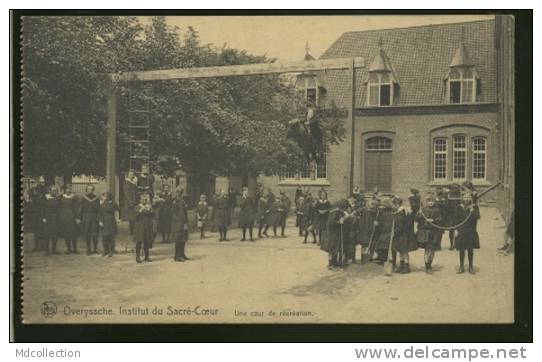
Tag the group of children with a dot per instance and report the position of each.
(60, 214)
(380, 224)
(385, 228)
(264, 212)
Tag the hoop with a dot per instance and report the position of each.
(447, 228)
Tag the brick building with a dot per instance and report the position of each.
(433, 105)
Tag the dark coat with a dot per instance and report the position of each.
(164, 212)
(49, 212)
(143, 225)
(321, 213)
(222, 211)
(179, 218)
(106, 217)
(274, 215)
(146, 183)
(88, 214)
(402, 238)
(246, 212)
(67, 215)
(202, 212)
(415, 203)
(32, 216)
(270, 217)
(261, 211)
(366, 225)
(306, 215)
(130, 201)
(286, 205)
(428, 236)
(467, 235)
(383, 229)
(298, 194)
(334, 231)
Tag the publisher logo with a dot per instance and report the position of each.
(48, 309)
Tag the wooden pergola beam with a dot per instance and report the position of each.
(238, 70)
(349, 64)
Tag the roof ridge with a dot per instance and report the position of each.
(416, 26)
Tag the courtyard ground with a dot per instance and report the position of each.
(273, 280)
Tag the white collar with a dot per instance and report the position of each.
(86, 197)
(68, 196)
(48, 196)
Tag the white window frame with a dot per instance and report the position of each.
(379, 85)
(292, 175)
(440, 152)
(484, 152)
(462, 80)
(454, 159)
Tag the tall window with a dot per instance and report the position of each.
(459, 159)
(461, 85)
(479, 158)
(380, 90)
(321, 167)
(440, 151)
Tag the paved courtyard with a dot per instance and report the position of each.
(274, 280)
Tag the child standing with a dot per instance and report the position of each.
(88, 216)
(143, 232)
(66, 219)
(246, 214)
(108, 223)
(467, 238)
(202, 210)
(49, 218)
(429, 236)
(164, 213)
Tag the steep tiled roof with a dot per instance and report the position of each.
(421, 57)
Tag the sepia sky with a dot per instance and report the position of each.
(284, 37)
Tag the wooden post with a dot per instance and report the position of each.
(352, 117)
(111, 134)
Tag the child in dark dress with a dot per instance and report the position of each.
(49, 218)
(88, 217)
(108, 223)
(66, 219)
(428, 235)
(202, 211)
(143, 231)
(467, 238)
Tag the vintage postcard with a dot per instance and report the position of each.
(268, 169)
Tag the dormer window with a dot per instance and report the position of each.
(462, 82)
(382, 85)
(380, 90)
(461, 86)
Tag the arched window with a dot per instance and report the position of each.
(378, 144)
(440, 158)
(479, 164)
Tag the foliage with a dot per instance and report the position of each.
(232, 125)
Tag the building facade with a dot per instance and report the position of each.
(428, 110)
